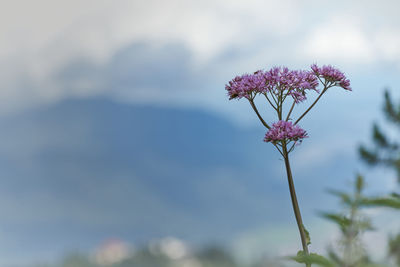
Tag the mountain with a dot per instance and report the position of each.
(82, 170)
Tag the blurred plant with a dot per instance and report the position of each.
(77, 259)
(215, 256)
(207, 257)
(277, 86)
(386, 153)
(394, 248)
(352, 223)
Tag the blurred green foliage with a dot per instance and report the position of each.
(350, 251)
(387, 153)
(212, 256)
(383, 150)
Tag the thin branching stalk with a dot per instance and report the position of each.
(258, 114)
(291, 109)
(273, 98)
(312, 105)
(280, 105)
(266, 96)
(295, 203)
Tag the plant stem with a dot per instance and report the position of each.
(290, 111)
(295, 204)
(266, 96)
(258, 114)
(313, 104)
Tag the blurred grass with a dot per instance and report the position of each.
(146, 257)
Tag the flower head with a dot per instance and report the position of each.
(291, 82)
(277, 80)
(332, 75)
(284, 130)
(245, 85)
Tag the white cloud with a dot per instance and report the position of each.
(99, 27)
(388, 44)
(41, 37)
(341, 40)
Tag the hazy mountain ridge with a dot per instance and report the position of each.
(80, 171)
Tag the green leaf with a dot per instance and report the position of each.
(335, 257)
(346, 199)
(378, 137)
(391, 112)
(389, 202)
(365, 224)
(359, 183)
(312, 258)
(339, 219)
(373, 265)
(308, 238)
(395, 195)
(368, 156)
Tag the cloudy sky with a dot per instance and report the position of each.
(180, 54)
(209, 40)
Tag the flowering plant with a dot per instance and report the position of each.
(277, 86)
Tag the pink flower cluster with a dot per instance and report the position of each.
(292, 82)
(280, 80)
(332, 75)
(243, 86)
(276, 81)
(284, 130)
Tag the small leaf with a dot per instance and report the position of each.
(395, 195)
(367, 155)
(334, 257)
(341, 220)
(389, 202)
(391, 112)
(346, 199)
(312, 258)
(378, 137)
(364, 224)
(308, 238)
(359, 183)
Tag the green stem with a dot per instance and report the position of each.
(313, 104)
(280, 101)
(265, 94)
(290, 111)
(273, 98)
(258, 114)
(295, 204)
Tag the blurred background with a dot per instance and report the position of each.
(117, 136)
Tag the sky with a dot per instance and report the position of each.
(57, 50)
(216, 39)
(180, 54)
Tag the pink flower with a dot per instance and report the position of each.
(245, 85)
(284, 131)
(332, 75)
(278, 80)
